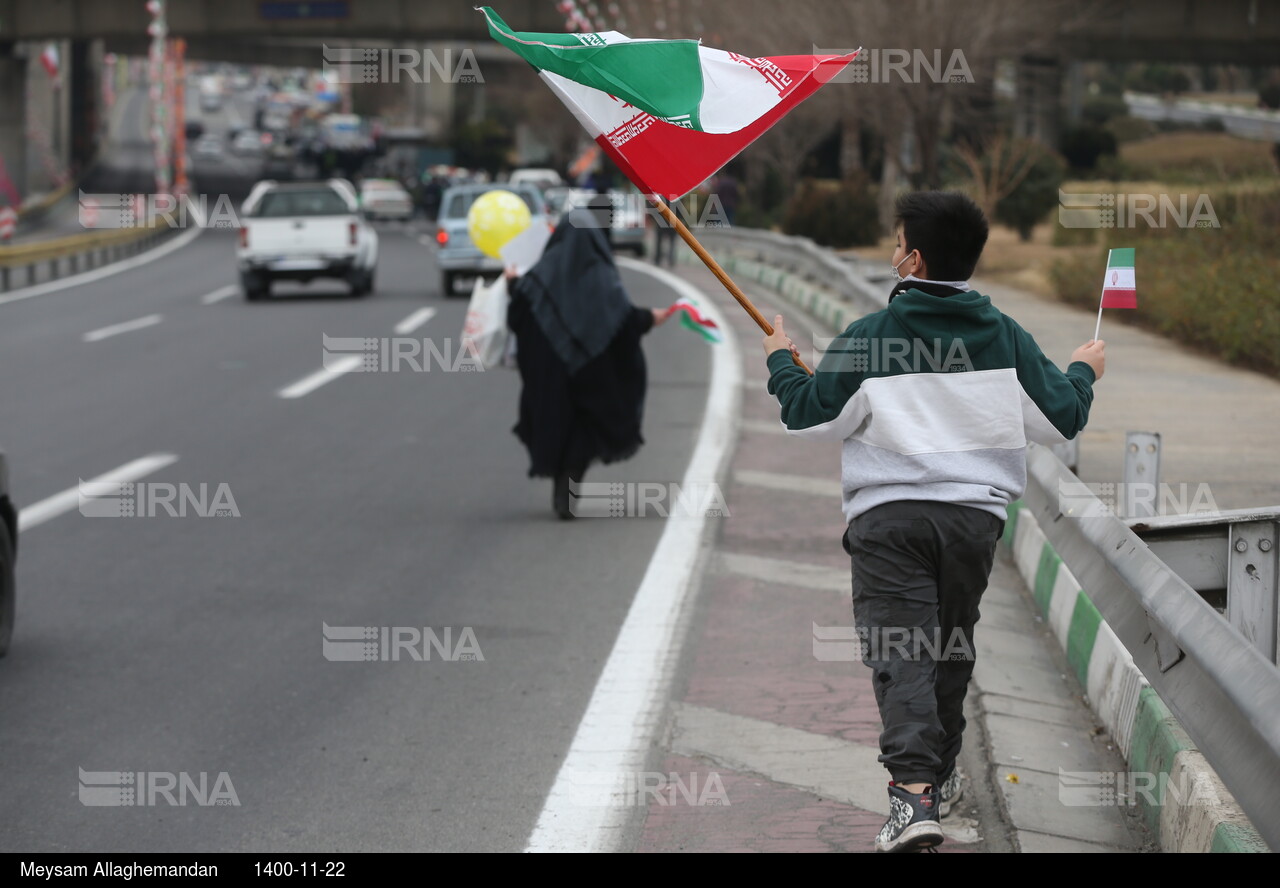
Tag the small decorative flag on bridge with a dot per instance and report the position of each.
(1118, 289)
(669, 113)
(693, 319)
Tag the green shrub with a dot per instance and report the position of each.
(834, 214)
(1130, 129)
(1035, 196)
(1209, 288)
(1082, 146)
(1097, 110)
(1269, 96)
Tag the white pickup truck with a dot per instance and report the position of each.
(299, 231)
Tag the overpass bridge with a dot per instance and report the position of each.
(291, 33)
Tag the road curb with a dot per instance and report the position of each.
(1198, 813)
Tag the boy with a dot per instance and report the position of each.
(935, 399)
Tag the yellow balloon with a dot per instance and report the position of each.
(495, 218)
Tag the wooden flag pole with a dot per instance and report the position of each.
(674, 221)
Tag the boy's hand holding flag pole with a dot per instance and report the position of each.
(670, 113)
(1118, 285)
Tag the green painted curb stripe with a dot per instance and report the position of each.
(1157, 738)
(1232, 838)
(1085, 621)
(1011, 523)
(1046, 576)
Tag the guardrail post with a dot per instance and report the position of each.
(1253, 584)
(1141, 475)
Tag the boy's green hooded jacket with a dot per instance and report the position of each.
(935, 399)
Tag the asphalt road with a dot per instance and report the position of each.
(194, 644)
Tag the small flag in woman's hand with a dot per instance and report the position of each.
(696, 321)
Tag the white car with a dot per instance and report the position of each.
(385, 199)
(539, 177)
(209, 145)
(248, 143)
(299, 231)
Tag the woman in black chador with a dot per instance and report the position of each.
(578, 350)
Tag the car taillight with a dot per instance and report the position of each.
(352, 229)
(244, 238)
(442, 237)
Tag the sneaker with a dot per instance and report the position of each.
(913, 821)
(950, 792)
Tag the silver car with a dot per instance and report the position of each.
(458, 257)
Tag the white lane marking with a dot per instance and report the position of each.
(105, 271)
(629, 702)
(309, 384)
(415, 320)
(219, 294)
(52, 507)
(116, 329)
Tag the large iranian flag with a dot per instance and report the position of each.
(670, 113)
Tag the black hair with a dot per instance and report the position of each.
(948, 229)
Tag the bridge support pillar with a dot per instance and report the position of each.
(13, 126)
(1036, 108)
(83, 80)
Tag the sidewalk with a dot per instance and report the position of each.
(770, 704)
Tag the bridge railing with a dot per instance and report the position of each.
(21, 264)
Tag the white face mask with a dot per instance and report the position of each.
(897, 277)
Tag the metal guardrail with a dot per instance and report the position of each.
(1220, 687)
(70, 255)
(1232, 560)
(802, 257)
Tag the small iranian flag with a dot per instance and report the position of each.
(669, 113)
(1118, 289)
(693, 319)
